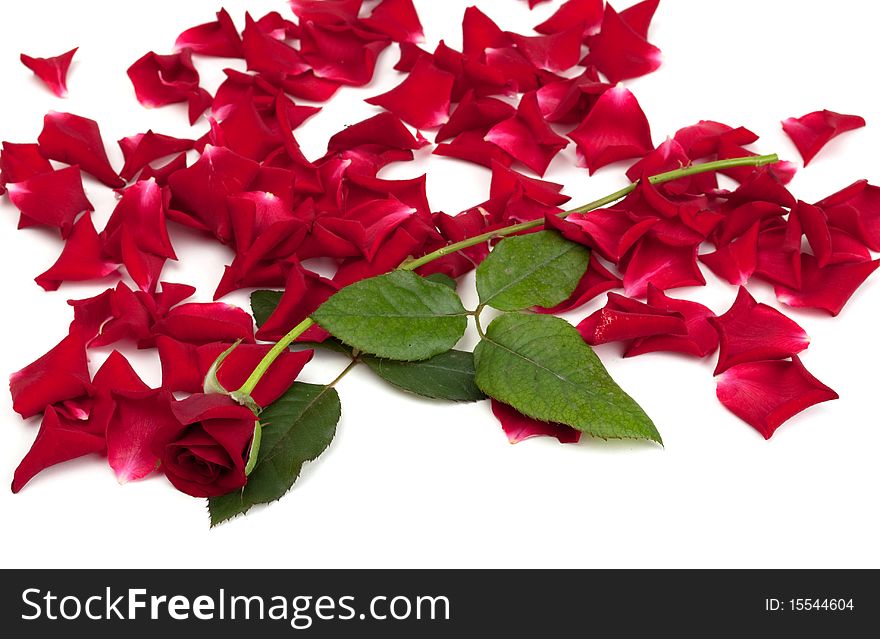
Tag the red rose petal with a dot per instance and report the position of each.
(587, 13)
(141, 211)
(766, 394)
(52, 71)
(752, 332)
(266, 54)
(60, 374)
(81, 258)
(742, 218)
(639, 16)
(624, 319)
(615, 129)
(304, 293)
(160, 80)
(568, 101)
(141, 149)
(340, 53)
(737, 261)
(518, 427)
(856, 210)
(138, 418)
(620, 52)
(326, 11)
(813, 131)
(829, 288)
(20, 162)
(527, 137)
(397, 19)
(701, 338)
(422, 99)
(76, 140)
(704, 138)
(665, 266)
(479, 32)
(50, 199)
(162, 173)
(475, 114)
(554, 52)
(471, 146)
(219, 38)
(60, 439)
(197, 323)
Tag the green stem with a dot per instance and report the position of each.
(243, 394)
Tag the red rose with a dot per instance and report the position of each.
(205, 455)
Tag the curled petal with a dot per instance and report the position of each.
(527, 137)
(50, 199)
(422, 99)
(813, 131)
(518, 427)
(701, 338)
(623, 319)
(568, 101)
(767, 394)
(266, 54)
(397, 19)
(60, 439)
(141, 211)
(829, 288)
(196, 323)
(619, 52)
(160, 80)
(856, 210)
(141, 149)
(664, 266)
(60, 374)
(73, 139)
(475, 114)
(615, 129)
(742, 218)
(81, 258)
(737, 261)
(587, 14)
(219, 38)
(52, 71)
(752, 332)
(554, 52)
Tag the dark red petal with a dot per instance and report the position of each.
(59, 440)
(620, 52)
(361, 189)
(219, 38)
(668, 156)
(856, 210)
(384, 129)
(200, 406)
(527, 137)
(422, 99)
(52, 71)
(475, 114)
(665, 266)
(813, 131)
(615, 129)
(162, 173)
(479, 32)
(611, 232)
(204, 323)
(200, 191)
(60, 374)
(554, 52)
(742, 218)
(50, 199)
(160, 80)
(20, 162)
(81, 258)
(845, 248)
(737, 261)
(518, 427)
(766, 394)
(141, 149)
(815, 226)
(304, 293)
(138, 419)
(704, 138)
(340, 53)
(471, 146)
(143, 267)
(597, 280)
(701, 338)
(266, 54)
(326, 11)
(506, 182)
(397, 19)
(752, 332)
(76, 140)
(117, 374)
(829, 288)
(587, 13)
(622, 319)
(640, 15)
(141, 212)
(568, 101)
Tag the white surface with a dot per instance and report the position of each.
(412, 483)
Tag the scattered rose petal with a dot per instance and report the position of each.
(422, 99)
(76, 140)
(203, 323)
(767, 394)
(619, 52)
(142, 149)
(664, 266)
(615, 129)
(397, 19)
(585, 13)
(735, 262)
(518, 427)
(813, 131)
(624, 319)
(527, 137)
(60, 374)
(138, 418)
(829, 288)
(160, 80)
(52, 71)
(479, 32)
(752, 332)
(555, 52)
(856, 210)
(81, 258)
(701, 338)
(50, 199)
(219, 38)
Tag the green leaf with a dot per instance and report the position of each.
(538, 269)
(297, 428)
(442, 278)
(540, 365)
(263, 304)
(449, 376)
(396, 316)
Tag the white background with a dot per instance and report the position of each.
(412, 483)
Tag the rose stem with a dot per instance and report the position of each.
(242, 395)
